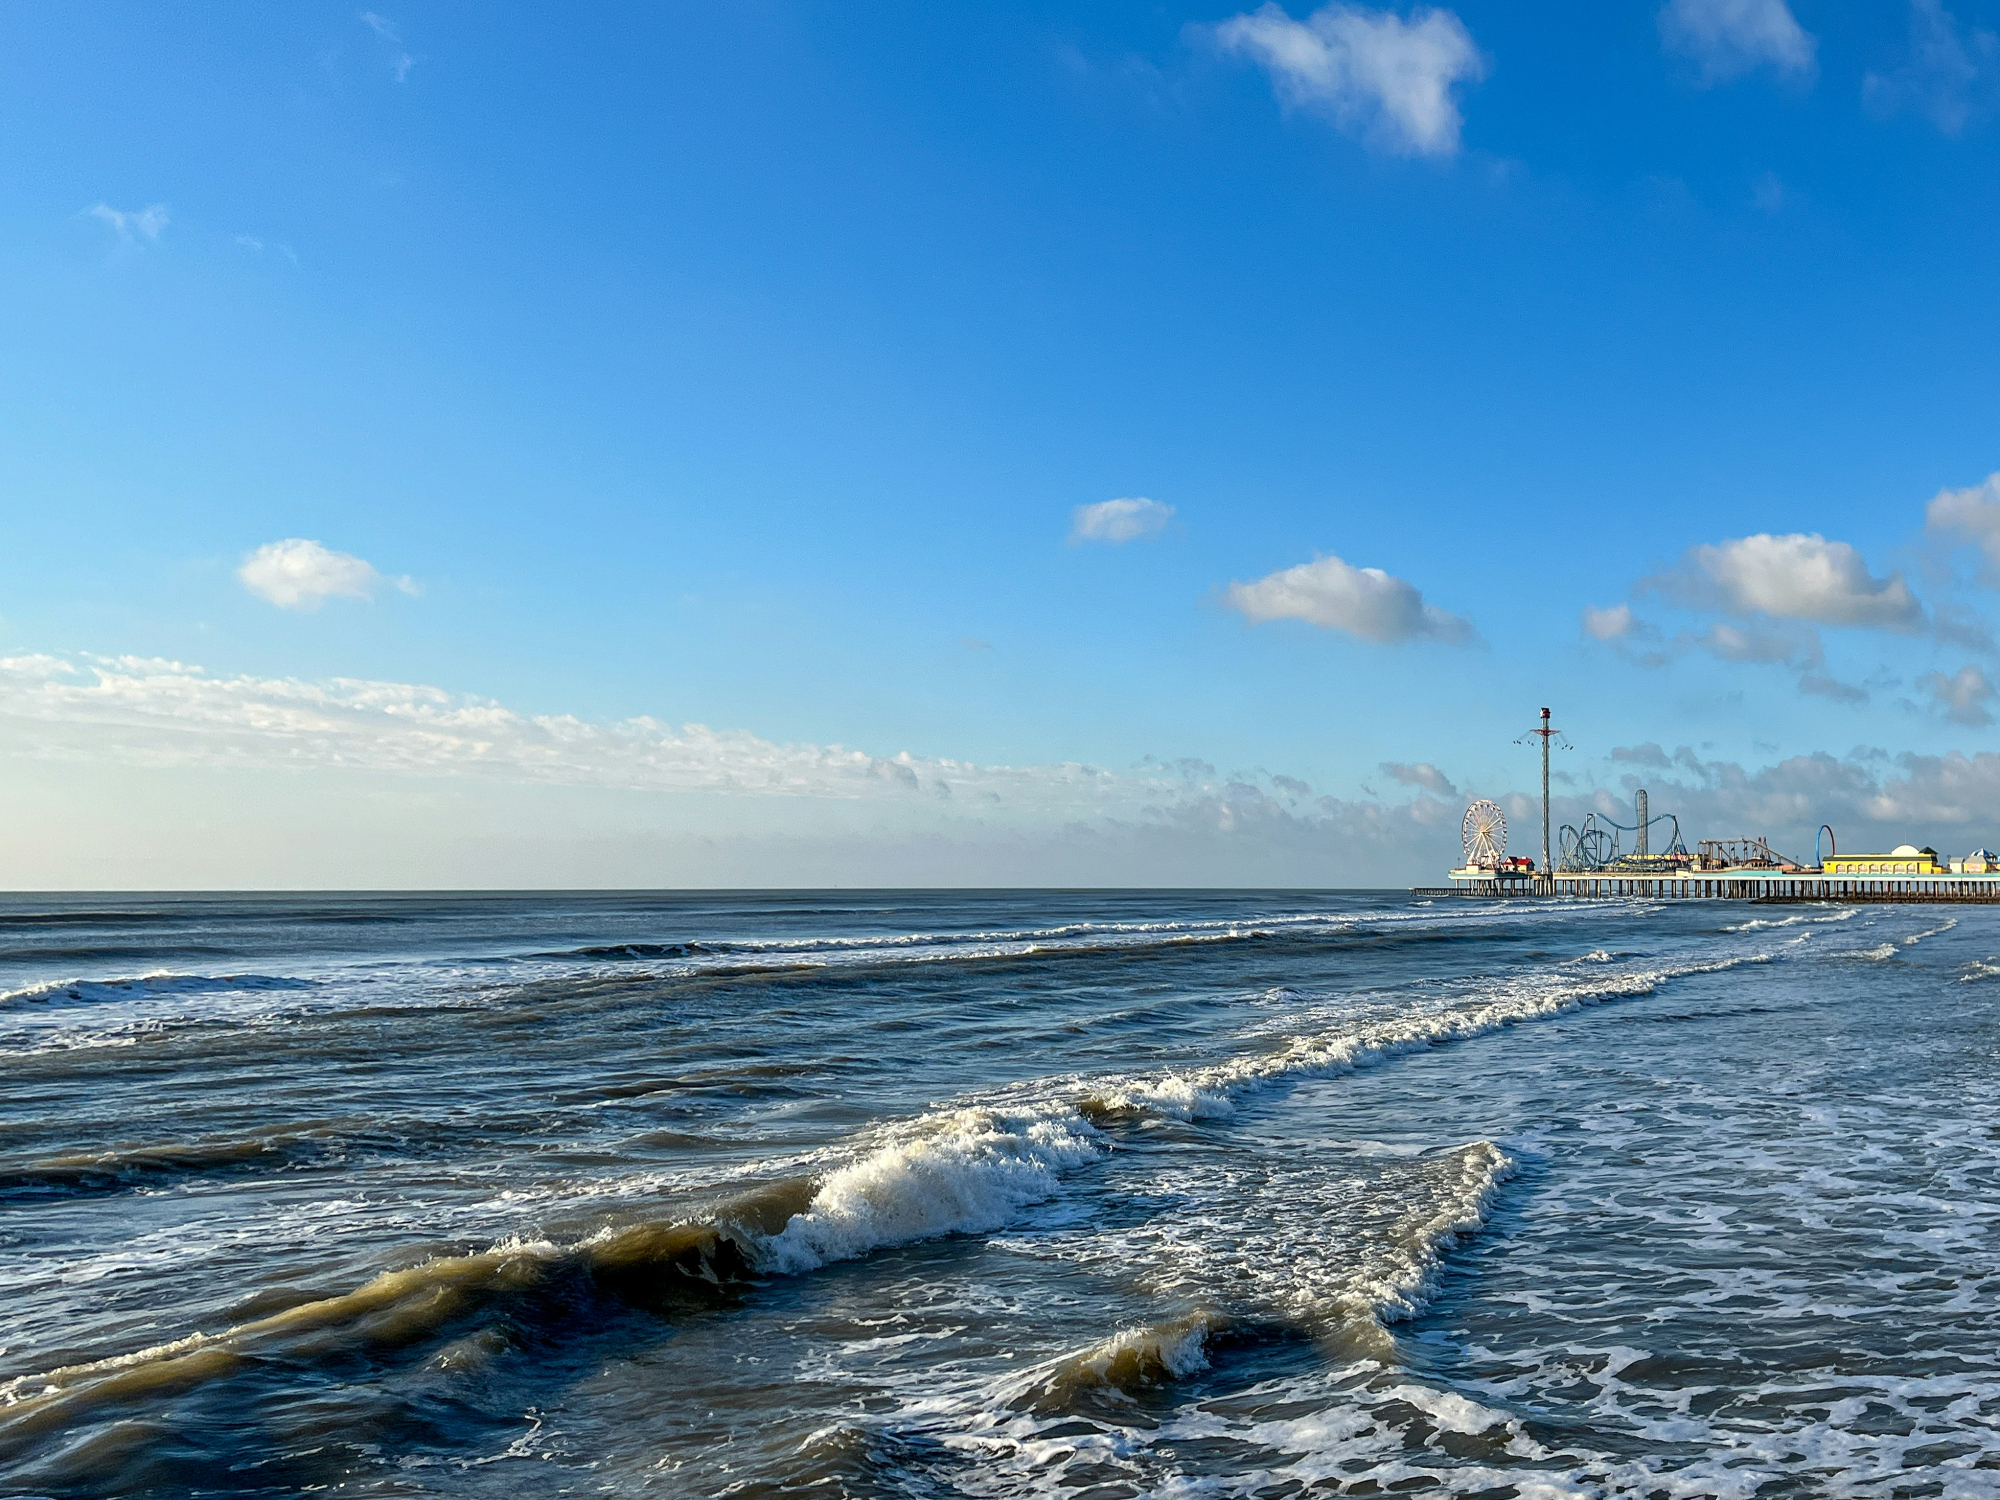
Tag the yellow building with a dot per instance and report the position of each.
(1904, 859)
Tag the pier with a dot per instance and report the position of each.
(1591, 861)
(1770, 886)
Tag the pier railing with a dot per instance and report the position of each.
(1736, 885)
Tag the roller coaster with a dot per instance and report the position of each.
(1595, 848)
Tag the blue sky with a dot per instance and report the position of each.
(757, 367)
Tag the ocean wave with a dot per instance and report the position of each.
(964, 1170)
(148, 986)
(638, 951)
(1340, 1295)
(89, 1173)
(953, 1173)
(516, 1287)
(1130, 1360)
(1077, 939)
(1880, 953)
(14, 919)
(1210, 1092)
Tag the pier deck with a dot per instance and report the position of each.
(1773, 886)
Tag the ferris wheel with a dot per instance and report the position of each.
(1485, 833)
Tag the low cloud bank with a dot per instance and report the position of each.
(1872, 799)
(385, 779)
(1178, 821)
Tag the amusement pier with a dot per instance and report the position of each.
(1594, 859)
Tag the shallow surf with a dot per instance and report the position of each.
(995, 1194)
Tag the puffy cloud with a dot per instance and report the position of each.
(1958, 790)
(1422, 774)
(1612, 623)
(138, 224)
(1387, 79)
(1963, 696)
(1119, 520)
(1943, 74)
(1364, 602)
(298, 574)
(1871, 801)
(1972, 513)
(1728, 38)
(1793, 577)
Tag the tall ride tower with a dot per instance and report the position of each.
(1545, 733)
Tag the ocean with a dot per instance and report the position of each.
(1091, 1193)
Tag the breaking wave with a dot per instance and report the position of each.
(963, 1170)
(148, 986)
(1345, 1305)
(1211, 1091)
(1073, 939)
(960, 1172)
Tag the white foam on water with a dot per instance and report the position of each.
(1930, 932)
(973, 1169)
(66, 1013)
(1211, 1092)
(1756, 924)
(977, 1167)
(1310, 1254)
(154, 984)
(954, 1172)
(1880, 953)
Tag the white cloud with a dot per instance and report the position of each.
(1734, 643)
(1119, 520)
(1793, 577)
(1973, 513)
(1162, 821)
(1728, 38)
(299, 574)
(729, 807)
(400, 62)
(1609, 624)
(138, 224)
(1943, 74)
(1824, 685)
(1376, 74)
(1364, 602)
(1422, 774)
(168, 712)
(1964, 696)
(1871, 800)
